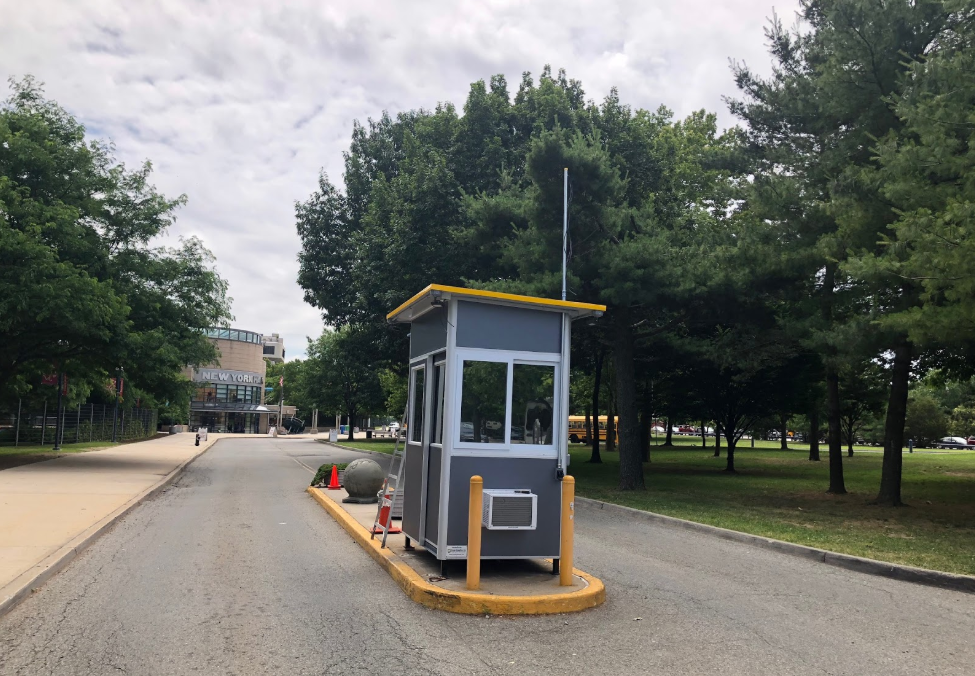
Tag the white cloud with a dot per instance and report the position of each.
(239, 103)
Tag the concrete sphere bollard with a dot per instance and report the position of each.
(363, 479)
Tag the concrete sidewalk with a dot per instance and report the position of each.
(50, 511)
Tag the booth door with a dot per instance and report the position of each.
(424, 452)
(415, 458)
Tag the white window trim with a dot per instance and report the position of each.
(506, 448)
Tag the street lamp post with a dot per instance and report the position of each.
(118, 390)
(58, 422)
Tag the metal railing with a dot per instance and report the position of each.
(25, 426)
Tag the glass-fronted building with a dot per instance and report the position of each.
(229, 396)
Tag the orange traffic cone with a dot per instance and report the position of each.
(384, 517)
(333, 484)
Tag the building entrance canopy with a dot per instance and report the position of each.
(228, 406)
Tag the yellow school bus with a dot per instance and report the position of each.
(577, 429)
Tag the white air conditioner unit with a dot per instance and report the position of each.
(509, 509)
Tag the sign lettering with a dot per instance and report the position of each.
(219, 375)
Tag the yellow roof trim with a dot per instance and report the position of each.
(497, 295)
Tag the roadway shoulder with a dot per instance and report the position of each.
(932, 578)
(30, 580)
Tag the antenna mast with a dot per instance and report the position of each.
(565, 225)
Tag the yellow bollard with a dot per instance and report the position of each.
(568, 521)
(474, 533)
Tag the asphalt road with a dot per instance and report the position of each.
(235, 570)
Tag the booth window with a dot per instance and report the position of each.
(532, 414)
(416, 421)
(484, 395)
(439, 380)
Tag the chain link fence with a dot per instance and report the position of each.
(84, 423)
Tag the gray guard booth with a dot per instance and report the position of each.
(488, 396)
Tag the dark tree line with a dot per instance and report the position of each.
(750, 274)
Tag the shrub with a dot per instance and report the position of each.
(324, 473)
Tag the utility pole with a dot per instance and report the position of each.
(281, 404)
(118, 391)
(58, 422)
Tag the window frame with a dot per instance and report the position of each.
(510, 358)
(421, 366)
(440, 400)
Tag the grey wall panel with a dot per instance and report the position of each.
(429, 332)
(535, 474)
(433, 493)
(499, 327)
(412, 475)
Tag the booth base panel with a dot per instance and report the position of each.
(508, 586)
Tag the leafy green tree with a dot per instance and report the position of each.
(962, 421)
(639, 254)
(926, 164)
(926, 422)
(335, 377)
(395, 390)
(83, 286)
(407, 183)
(295, 386)
(863, 389)
(742, 369)
(813, 125)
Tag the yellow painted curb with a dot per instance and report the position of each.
(465, 603)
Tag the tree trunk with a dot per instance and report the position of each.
(594, 437)
(836, 483)
(704, 434)
(717, 439)
(784, 432)
(814, 434)
(645, 435)
(890, 476)
(588, 422)
(611, 426)
(670, 434)
(849, 446)
(730, 465)
(631, 468)
(351, 426)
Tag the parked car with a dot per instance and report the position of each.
(971, 441)
(394, 426)
(952, 442)
(467, 433)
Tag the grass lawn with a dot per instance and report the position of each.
(692, 442)
(381, 445)
(46, 448)
(780, 494)
(11, 456)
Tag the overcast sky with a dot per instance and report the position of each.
(238, 104)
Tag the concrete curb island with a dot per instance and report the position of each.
(20, 587)
(931, 578)
(466, 603)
